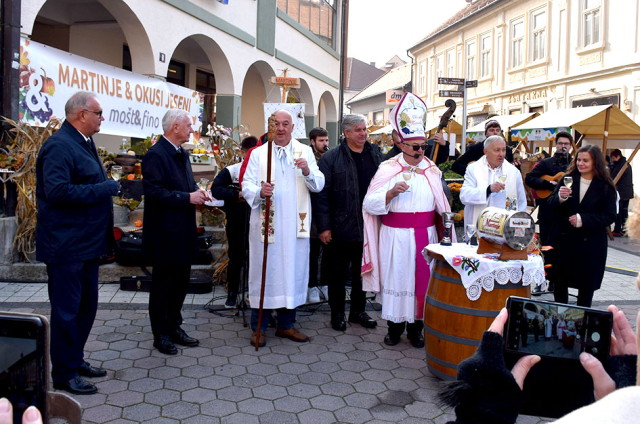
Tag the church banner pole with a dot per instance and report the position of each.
(267, 213)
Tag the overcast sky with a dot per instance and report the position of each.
(380, 29)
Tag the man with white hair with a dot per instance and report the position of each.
(294, 173)
(169, 235)
(75, 227)
(490, 181)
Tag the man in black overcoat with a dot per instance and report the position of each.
(169, 234)
(75, 226)
(624, 187)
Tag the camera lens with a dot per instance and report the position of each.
(594, 351)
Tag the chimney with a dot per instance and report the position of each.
(372, 64)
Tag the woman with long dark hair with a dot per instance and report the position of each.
(586, 209)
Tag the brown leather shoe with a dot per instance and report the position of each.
(261, 342)
(292, 334)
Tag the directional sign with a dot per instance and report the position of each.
(451, 81)
(450, 93)
(471, 84)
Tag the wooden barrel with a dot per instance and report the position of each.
(453, 324)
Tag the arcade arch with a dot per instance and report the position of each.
(256, 90)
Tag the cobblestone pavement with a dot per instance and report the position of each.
(349, 377)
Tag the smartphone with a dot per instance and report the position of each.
(22, 363)
(556, 330)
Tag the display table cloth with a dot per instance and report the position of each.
(478, 272)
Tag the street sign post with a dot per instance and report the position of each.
(450, 81)
(472, 84)
(450, 93)
(460, 92)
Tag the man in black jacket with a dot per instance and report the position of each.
(549, 167)
(75, 225)
(169, 234)
(624, 188)
(348, 170)
(226, 187)
(476, 151)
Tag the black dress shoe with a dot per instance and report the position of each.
(363, 319)
(164, 345)
(338, 323)
(77, 386)
(390, 340)
(87, 370)
(416, 340)
(181, 338)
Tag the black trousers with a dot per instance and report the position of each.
(338, 256)
(622, 216)
(237, 240)
(166, 297)
(73, 293)
(561, 295)
(397, 328)
(315, 254)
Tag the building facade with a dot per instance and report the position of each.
(227, 51)
(535, 56)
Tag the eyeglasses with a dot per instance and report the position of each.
(97, 112)
(417, 147)
(563, 144)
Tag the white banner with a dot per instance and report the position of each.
(133, 105)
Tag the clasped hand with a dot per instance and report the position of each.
(199, 196)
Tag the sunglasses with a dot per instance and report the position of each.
(417, 147)
(97, 112)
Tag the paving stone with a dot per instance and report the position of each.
(112, 386)
(352, 365)
(316, 378)
(123, 399)
(316, 417)
(180, 361)
(95, 346)
(87, 402)
(135, 353)
(230, 370)
(334, 357)
(306, 391)
(325, 367)
(291, 404)
(197, 371)
(118, 421)
(161, 420)
(337, 389)
(341, 347)
(117, 364)
(146, 385)
(218, 408)
(274, 359)
(278, 417)
(244, 360)
(117, 322)
(401, 385)
(235, 394)
(269, 392)
(393, 355)
(150, 362)
(395, 398)
(199, 395)
(348, 377)
(370, 387)
(361, 355)
(328, 403)
(197, 352)
(426, 410)
(162, 397)
(249, 380)
(181, 383)
(123, 345)
(211, 361)
(384, 364)
(286, 349)
(377, 375)
(255, 406)
(101, 413)
(131, 374)
(442, 419)
(293, 368)
(240, 418)
(180, 410)
(110, 336)
(304, 358)
(141, 412)
(353, 415)
(282, 379)
(201, 419)
(164, 373)
(145, 335)
(215, 382)
(362, 400)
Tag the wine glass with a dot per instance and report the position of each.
(296, 155)
(471, 230)
(568, 182)
(503, 179)
(407, 175)
(203, 184)
(116, 172)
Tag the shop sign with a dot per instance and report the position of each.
(529, 95)
(133, 105)
(614, 99)
(394, 97)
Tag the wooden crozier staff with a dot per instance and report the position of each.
(267, 212)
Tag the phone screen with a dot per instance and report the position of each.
(556, 330)
(22, 378)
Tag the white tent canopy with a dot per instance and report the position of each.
(384, 130)
(505, 121)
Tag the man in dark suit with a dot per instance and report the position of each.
(169, 234)
(75, 226)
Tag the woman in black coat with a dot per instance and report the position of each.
(585, 211)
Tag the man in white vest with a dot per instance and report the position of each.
(490, 181)
(294, 173)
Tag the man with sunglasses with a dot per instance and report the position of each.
(399, 213)
(75, 228)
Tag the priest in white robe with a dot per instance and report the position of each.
(400, 219)
(294, 173)
(490, 181)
